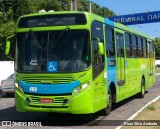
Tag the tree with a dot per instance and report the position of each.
(101, 11)
(157, 48)
(83, 5)
(50, 5)
(106, 12)
(20, 7)
(6, 12)
(65, 5)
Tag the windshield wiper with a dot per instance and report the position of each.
(33, 35)
(62, 35)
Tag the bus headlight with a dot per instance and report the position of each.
(18, 87)
(21, 89)
(78, 89)
(16, 84)
(85, 86)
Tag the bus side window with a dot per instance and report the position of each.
(140, 47)
(110, 43)
(150, 49)
(120, 45)
(128, 45)
(134, 46)
(144, 48)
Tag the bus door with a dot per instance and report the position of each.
(98, 62)
(120, 59)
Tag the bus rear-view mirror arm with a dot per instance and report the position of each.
(8, 44)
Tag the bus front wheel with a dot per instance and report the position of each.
(107, 110)
(1, 93)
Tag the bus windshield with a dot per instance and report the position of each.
(69, 49)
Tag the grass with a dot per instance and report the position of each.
(152, 108)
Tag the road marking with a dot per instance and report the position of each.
(135, 114)
(157, 74)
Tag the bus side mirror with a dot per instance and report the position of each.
(100, 48)
(8, 44)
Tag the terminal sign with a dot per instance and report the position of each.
(139, 18)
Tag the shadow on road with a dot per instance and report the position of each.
(47, 119)
(117, 105)
(56, 119)
(11, 95)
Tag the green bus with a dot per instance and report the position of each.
(78, 62)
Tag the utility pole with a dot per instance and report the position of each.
(90, 7)
(73, 5)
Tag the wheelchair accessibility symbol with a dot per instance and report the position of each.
(52, 66)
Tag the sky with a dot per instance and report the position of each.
(124, 7)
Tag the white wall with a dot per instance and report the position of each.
(6, 69)
(157, 62)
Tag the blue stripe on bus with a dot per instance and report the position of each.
(109, 22)
(49, 88)
(111, 72)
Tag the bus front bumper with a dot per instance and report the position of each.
(79, 104)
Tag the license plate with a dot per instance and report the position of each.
(46, 100)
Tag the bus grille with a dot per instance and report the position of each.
(56, 100)
(50, 79)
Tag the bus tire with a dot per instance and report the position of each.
(142, 93)
(1, 93)
(108, 109)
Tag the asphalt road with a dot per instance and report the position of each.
(121, 111)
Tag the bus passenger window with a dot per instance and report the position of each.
(144, 48)
(120, 45)
(134, 46)
(150, 50)
(128, 45)
(139, 47)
